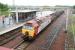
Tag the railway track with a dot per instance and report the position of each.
(44, 41)
(9, 36)
(49, 39)
(14, 40)
(25, 44)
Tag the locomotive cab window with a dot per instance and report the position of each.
(27, 26)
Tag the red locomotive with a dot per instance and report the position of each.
(34, 26)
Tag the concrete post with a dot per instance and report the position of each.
(16, 15)
(66, 15)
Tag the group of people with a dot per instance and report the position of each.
(5, 19)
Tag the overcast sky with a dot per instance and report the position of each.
(39, 2)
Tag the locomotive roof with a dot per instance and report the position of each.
(33, 22)
(40, 18)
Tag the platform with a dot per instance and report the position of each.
(9, 25)
(8, 28)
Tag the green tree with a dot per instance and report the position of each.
(74, 7)
(4, 9)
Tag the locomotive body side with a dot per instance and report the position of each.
(44, 23)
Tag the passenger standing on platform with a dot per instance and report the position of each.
(3, 19)
(10, 19)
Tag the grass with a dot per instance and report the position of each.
(71, 26)
(71, 29)
(71, 48)
(71, 32)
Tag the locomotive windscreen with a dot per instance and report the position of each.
(27, 26)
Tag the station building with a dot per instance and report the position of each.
(23, 15)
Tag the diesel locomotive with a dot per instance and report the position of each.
(33, 27)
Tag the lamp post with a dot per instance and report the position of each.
(15, 10)
(16, 15)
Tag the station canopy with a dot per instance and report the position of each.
(25, 11)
